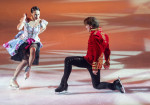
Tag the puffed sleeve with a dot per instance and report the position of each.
(44, 23)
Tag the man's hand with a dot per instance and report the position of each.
(106, 65)
(94, 68)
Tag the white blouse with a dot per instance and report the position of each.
(33, 32)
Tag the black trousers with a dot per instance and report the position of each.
(81, 62)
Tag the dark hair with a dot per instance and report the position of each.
(34, 8)
(91, 21)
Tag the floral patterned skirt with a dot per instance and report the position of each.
(13, 45)
(16, 48)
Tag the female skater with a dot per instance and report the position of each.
(26, 46)
(98, 44)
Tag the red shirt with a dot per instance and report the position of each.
(98, 44)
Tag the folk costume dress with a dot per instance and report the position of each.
(18, 48)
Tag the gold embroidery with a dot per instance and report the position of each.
(103, 36)
(95, 29)
(100, 62)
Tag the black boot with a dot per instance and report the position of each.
(118, 85)
(62, 87)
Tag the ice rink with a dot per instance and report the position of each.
(127, 22)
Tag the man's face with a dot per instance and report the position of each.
(87, 27)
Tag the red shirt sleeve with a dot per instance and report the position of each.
(107, 49)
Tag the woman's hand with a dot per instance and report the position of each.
(23, 18)
(22, 37)
(22, 22)
(24, 15)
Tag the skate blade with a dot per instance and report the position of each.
(13, 87)
(122, 85)
(63, 92)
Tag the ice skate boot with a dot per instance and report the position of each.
(27, 72)
(14, 84)
(119, 86)
(62, 88)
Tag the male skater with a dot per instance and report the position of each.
(98, 44)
